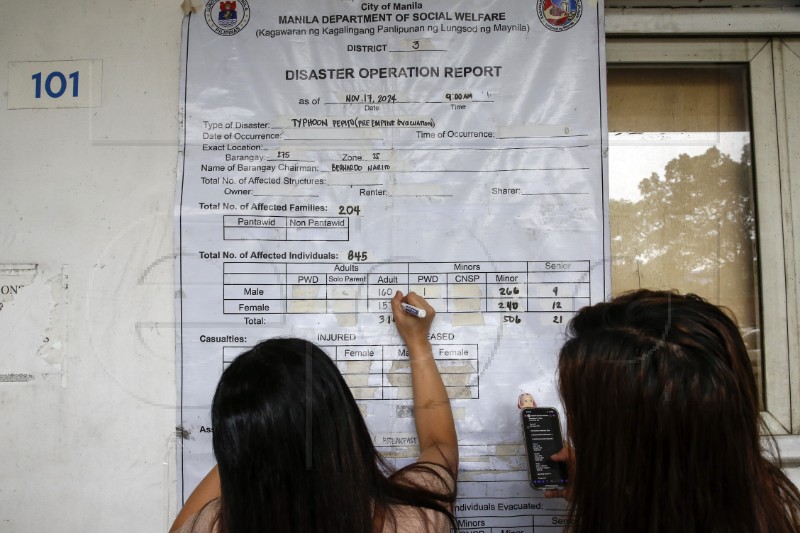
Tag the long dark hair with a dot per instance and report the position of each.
(663, 413)
(294, 452)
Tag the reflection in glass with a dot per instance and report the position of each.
(681, 187)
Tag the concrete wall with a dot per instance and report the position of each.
(87, 348)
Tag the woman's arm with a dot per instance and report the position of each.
(433, 416)
(207, 490)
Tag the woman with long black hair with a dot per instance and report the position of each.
(663, 415)
(294, 454)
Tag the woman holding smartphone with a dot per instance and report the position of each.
(663, 417)
(294, 454)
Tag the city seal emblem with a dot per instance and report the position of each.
(227, 17)
(559, 15)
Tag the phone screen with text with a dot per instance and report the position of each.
(542, 431)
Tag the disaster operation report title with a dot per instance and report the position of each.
(349, 73)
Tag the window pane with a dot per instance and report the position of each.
(681, 187)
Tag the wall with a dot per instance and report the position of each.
(87, 197)
(86, 209)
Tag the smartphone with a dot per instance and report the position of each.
(541, 428)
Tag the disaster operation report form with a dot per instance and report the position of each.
(336, 152)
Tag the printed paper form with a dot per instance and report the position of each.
(336, 152)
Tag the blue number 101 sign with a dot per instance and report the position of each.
(54, 84)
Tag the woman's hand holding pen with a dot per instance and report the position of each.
(413, 329)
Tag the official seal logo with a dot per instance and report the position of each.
(559, 15)
(227, 17)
